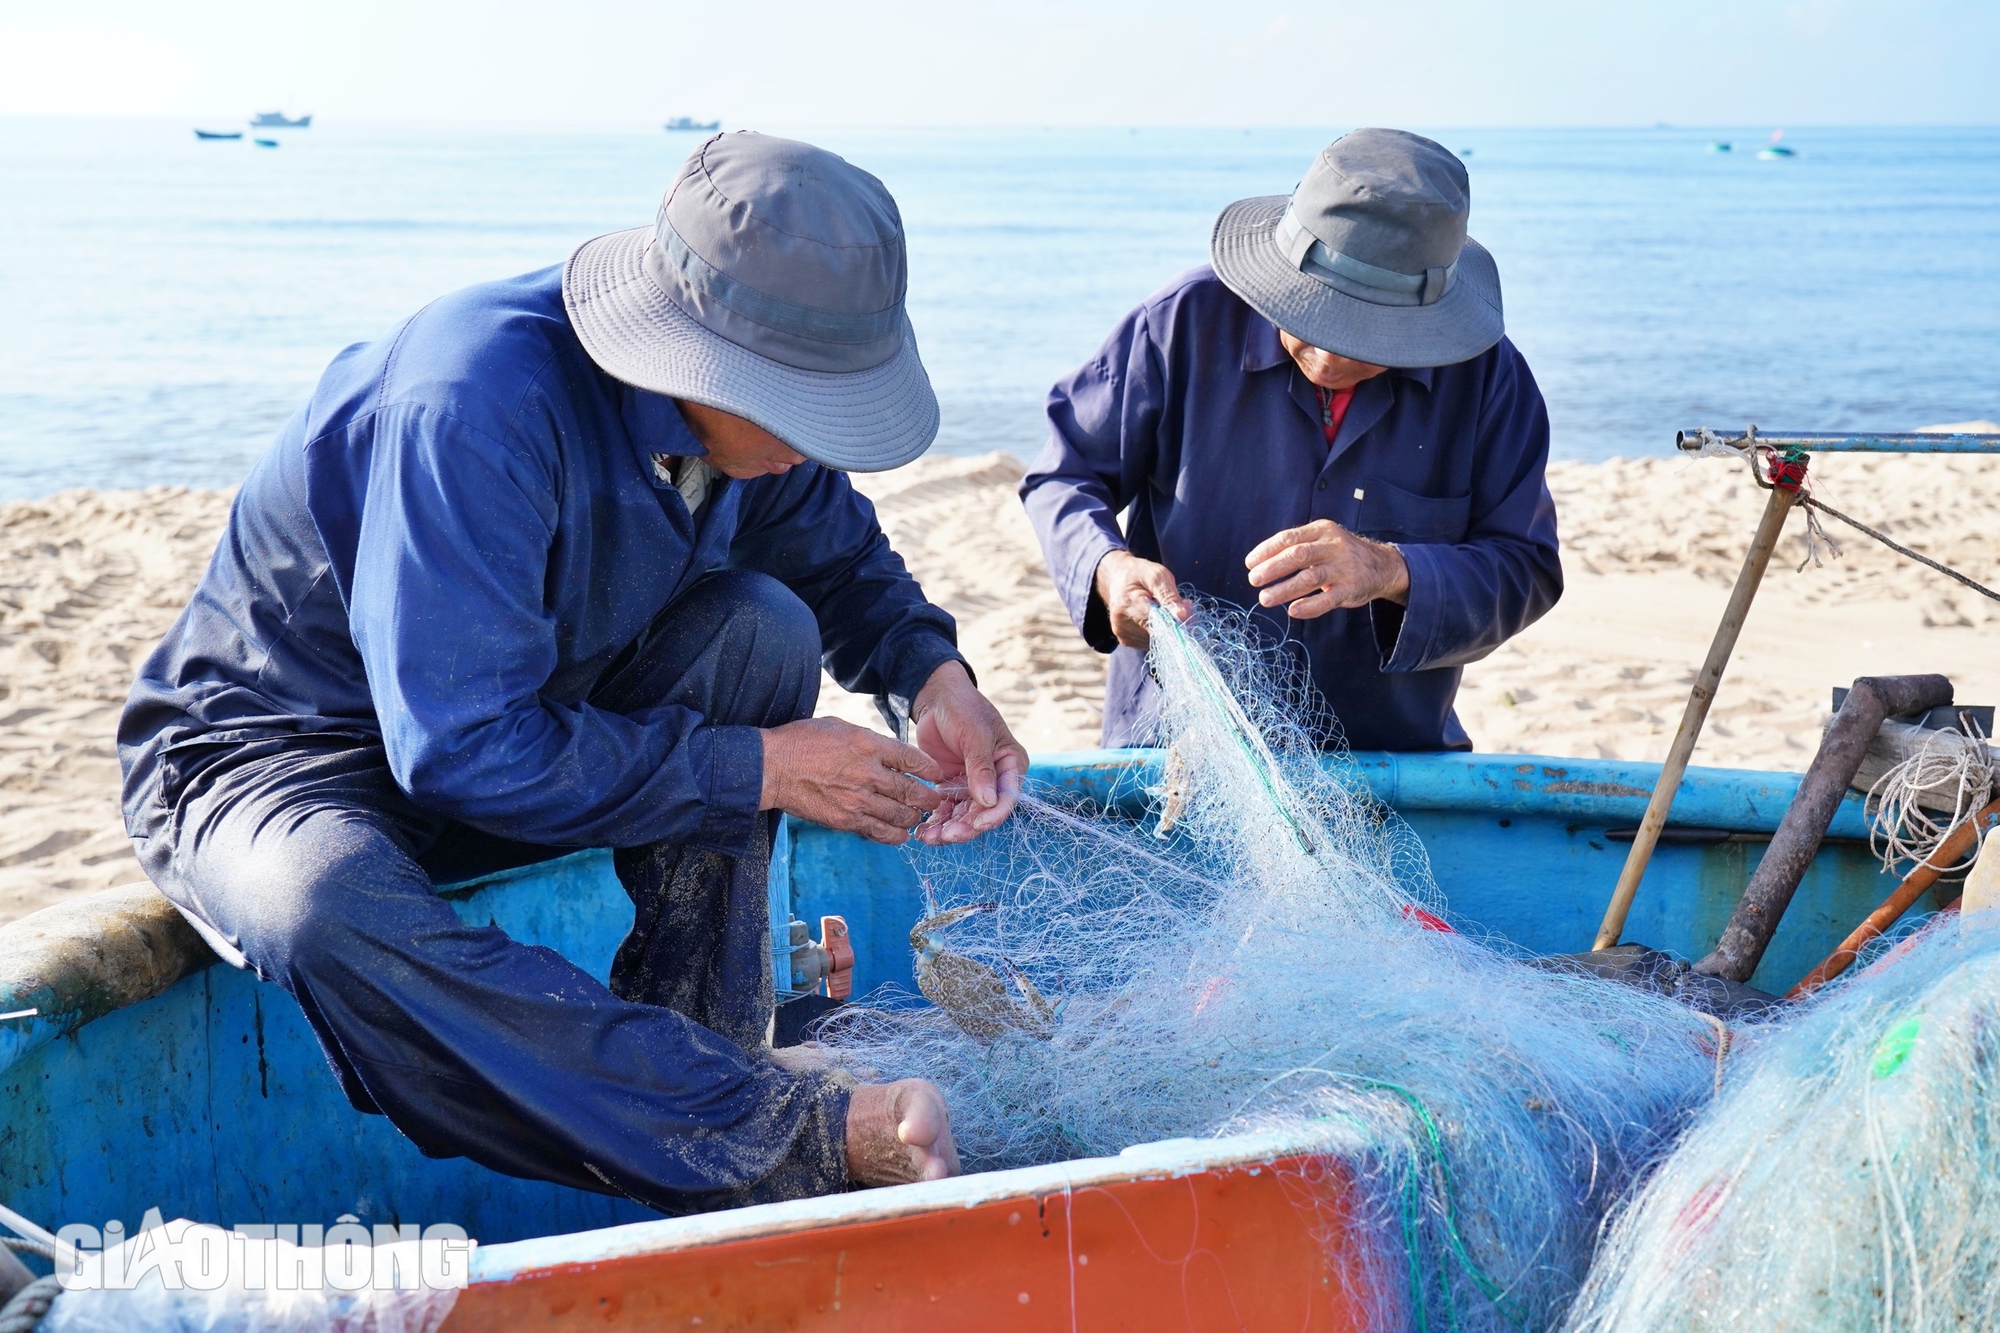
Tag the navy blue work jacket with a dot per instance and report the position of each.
(1194, 422)
(451, 543)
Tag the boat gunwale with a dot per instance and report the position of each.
(48, 955)
(1260, 1150)
(1738, 800)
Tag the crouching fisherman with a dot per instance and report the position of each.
(1326, 427)
(556, 565)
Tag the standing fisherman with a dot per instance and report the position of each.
(556, 565)
(1327, 425)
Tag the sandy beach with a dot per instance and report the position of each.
(1650, 547)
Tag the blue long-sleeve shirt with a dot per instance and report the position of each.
(1194, 422)
(451, 542)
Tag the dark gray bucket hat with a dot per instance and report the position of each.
(770, 286)
(1368, 258)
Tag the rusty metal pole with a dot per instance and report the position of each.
(1821, 790)
(1769, 529)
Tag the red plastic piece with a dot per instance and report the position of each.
(833, 938)
(1428, 920)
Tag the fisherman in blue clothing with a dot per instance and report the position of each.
(555, 565)
(1325, 426)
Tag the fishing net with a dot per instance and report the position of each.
(1277, 957)
(1844, 1177)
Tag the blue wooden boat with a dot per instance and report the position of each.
(152, 1077)
(218, 134)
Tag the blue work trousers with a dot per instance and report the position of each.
(300, 857)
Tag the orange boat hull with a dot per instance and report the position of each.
(1259, 1244)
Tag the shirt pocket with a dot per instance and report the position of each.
(1390, 513)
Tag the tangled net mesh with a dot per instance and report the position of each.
(1274, 962)
(1844, 1178)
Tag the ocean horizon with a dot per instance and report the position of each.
(174, 301)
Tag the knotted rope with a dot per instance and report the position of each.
(24, 1314)
(1899, 548)
(25, 1311)
(1787, 471)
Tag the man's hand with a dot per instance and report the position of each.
(1130, 588)
(979, 762)
(898, 1133)
(848, 778)
(1322, 566)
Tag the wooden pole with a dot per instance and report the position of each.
(1769, 529)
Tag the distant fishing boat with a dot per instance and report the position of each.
(690, 123)
(265, 143)
(278, 120)
(1776, 151)
(218, 134)
(1721, 146)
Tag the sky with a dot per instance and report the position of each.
(1021, 62)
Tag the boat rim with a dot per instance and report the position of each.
(1256, 1151)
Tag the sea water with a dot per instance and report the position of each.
(165, 303)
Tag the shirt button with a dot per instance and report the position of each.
(1322, 485)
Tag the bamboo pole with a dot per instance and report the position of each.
(1769, 529)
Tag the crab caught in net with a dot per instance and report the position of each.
(969, 991)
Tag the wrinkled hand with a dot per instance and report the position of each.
(898, 1133)
(1321, 567)
(1130, 588)
(980, 763)
(848, 778)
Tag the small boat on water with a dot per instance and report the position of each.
(218, 134)
(145, 1074)
(1776, 151)
(689, 123)
(278, 120)
(1721, 146)
(265, 143)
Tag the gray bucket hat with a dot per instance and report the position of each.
(770, 286)
(1368, 258)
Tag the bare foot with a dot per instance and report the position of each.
(898, 1133)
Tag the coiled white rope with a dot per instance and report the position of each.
(1904, 807)
(24, 1311)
